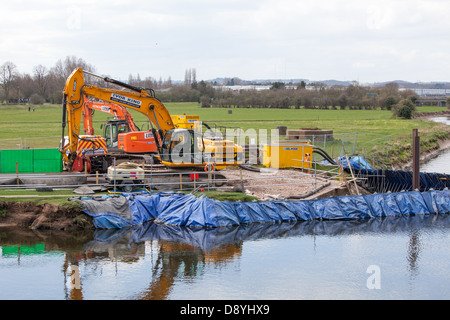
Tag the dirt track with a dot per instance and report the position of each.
(279, 185)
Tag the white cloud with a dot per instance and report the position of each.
(377, 40)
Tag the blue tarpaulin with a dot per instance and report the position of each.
(188, 210)
(357, 163)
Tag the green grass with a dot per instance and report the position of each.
(55, 196)
(373, 126)
(61, 196)
(228, 196)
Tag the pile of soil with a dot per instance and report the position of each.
(43, 216)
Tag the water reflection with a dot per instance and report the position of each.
(149, 261)
(209, 239)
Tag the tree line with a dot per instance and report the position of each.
(316, 96)
(46, 84)
(43, 85)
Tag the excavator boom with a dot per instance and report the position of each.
(117, 111)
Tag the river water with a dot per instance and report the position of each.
(440, 164)
(389, 258)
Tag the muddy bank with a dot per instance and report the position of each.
(428, 155)
(44, 216)
(425, 157)
(425, 115)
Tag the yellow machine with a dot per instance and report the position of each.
(288, 154)
(186, 121)
(177, 147)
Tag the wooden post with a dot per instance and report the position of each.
(416, 159)
(181, 181)
(17, 173)
(353, 177)
(96, 177)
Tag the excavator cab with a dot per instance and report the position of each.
(112, 130)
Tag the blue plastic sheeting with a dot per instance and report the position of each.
(397, 180)
(357, 163)
(188, 210)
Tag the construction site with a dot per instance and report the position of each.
(180, 154)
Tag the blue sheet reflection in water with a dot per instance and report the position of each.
(208, 239)
(188, 210)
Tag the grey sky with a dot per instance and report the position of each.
(360, 40)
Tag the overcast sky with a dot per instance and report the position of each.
(361, 40)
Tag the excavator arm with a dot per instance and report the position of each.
(117, 111)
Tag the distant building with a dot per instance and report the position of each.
(429, 92)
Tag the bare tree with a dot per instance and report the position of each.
(8, 73)
(61, 71)
(40, 76)
(190, 76)
(187, 77)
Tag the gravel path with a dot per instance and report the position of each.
(274, 184)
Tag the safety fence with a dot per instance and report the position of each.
(30, 143)
(236, 179)
(303, 182)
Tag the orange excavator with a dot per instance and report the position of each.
(120, 133)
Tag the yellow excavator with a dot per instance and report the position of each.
(177, 147)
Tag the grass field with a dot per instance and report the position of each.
(376, 128)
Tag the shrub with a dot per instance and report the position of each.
(404, 109)
(36, 99)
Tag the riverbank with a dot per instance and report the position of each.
(53, 216)
(430, 154)
(68, 215)
(429, 115)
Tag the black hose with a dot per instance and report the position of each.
(324, 154)
(249, 168)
